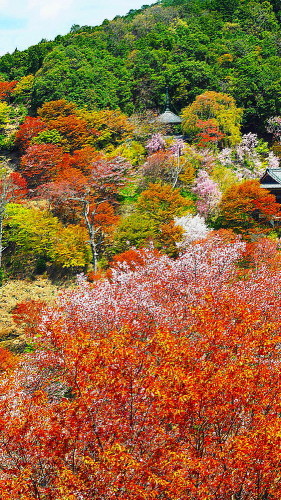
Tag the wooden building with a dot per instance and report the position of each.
(271, 180)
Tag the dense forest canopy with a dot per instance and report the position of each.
(190, 45)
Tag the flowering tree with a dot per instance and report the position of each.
(177, 148)
(208, 194)
(162, 166)
(156, 143)
(273, 161)
(194, 228)
(274, 127)
(249, 158)
(249, 163)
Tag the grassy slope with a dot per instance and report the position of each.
(11, 294)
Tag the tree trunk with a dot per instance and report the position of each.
(92, 233)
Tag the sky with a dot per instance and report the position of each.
(26, 22)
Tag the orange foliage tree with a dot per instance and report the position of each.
(74, 130)
(162, 202)
(55, 109)
(248, 208)
(208, 133)
(83, 159)
(91, 198)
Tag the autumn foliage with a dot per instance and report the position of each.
(159, 377)
(30, 128)
(161, 202)
(209, 133)
(6, 89)
(41, 163)
(160, 382)
(74, 129)
(213, 117)
(155, 373)
(84, 158)
(248, 208)
(56, 109)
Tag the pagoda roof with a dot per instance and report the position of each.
(169, 117)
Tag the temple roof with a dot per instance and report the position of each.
(271, 174)
(271, 186)
(169, 117)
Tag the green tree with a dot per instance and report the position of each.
(51, 136)
(134, 230)
(225, 7)
(153, 221)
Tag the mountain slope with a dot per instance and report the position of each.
(190, 45)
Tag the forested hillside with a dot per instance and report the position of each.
(140, 264)
(190, 45)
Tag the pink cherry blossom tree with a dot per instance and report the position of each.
(156, 143)
(208, 194)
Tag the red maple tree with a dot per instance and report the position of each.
(42, 163)
(28, 129)
(6, 90)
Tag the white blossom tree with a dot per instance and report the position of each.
(194, 228)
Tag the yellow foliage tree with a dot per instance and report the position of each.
(224, 177)
(217, 108)
(70, 247)
(161, 203)
(112, 127)
(24, 87)
(5, 111)
(38, 234)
